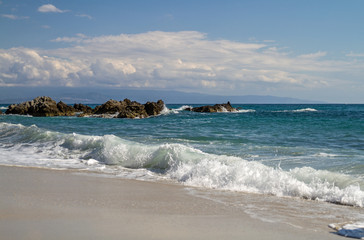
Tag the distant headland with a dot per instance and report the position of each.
(92, 95)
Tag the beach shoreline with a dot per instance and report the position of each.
(53, 204)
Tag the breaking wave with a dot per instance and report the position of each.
(187, 165)
(299, 110)
(305, 110)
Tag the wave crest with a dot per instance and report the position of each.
(185, 164)
(305, 110)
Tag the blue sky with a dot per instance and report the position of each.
(304, 49)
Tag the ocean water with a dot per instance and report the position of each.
(313, 152)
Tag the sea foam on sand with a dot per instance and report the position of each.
(48, 204)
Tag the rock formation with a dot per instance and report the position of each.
(47, 107)
(133, 111)
(154, 108)
(79, 107)
(65, 109)
(41, 107)
(226, 107)
(110, 107)
(130, 109)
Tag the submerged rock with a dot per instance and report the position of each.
(225, 107)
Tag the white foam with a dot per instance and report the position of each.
(184, 107)
(223, 109)
(246, 110)
(180, 109)
(187, 165)
(305, 110)
(165, 110)
(91, 162)
(322, 154)
(299, 110)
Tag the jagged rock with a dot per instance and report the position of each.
(84, 109)
(65, 110)
(154, 108)
(130, 109)
(128, 102)
(226, 107)
(110, 107)
(79, 107)
(1, 112)
(45, 106)
(136, 110)
(40, 106)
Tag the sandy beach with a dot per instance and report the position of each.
(49, 204)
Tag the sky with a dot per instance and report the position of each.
(303, 49)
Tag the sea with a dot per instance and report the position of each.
(284, 154)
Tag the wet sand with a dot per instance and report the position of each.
(53, 204)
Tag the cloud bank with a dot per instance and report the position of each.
(185, 61)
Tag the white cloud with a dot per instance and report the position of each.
(351, 54)
(84, 16)
(50, 8)
(14, 17)
(185, 60)
(314, 55)
(79, 38)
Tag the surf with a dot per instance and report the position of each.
(178, 162)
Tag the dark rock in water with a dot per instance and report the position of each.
(45, 106)
(65, 110)
(133, 111)
(226, 107)
(128, 102)
(130, 109)
(1, 112)
(84, 109)
(154, 108)
(110, 107)
(137, 110)
(79, 107)
(41, 107)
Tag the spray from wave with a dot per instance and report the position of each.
(184, 164)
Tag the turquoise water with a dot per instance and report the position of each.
(308, 151)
